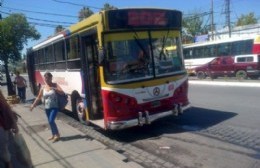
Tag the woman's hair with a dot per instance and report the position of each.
(6, 113)
(48, 74)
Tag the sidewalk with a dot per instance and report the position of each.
(74, 150)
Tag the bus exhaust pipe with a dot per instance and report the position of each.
(177, 110)
(140, 119)
(180, 110)
(147, 118)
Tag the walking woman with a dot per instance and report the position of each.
(49, 93)
(7, 124)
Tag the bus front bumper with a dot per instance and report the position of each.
(145, 118)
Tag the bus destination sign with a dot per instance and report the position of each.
(144, 18)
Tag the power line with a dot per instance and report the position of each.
(197, 15)
(51, 21)
(46, 24)
(75, 4)
(44, 13)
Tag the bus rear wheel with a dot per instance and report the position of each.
(201, 75)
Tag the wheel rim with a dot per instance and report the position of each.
(201, 75)
(81, 112)
(241, 75)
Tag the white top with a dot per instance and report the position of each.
(50, 99)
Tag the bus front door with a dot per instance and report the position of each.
(91, 78)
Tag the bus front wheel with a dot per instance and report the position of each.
(81, 112)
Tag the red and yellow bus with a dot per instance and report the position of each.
(114, 68)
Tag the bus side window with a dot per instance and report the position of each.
(72, 45)
(73, 53)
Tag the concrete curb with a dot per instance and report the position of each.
(225, 83)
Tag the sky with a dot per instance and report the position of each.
(45, 15)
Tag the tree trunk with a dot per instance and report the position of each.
(11, 90)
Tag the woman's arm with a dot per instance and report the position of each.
(38, 98)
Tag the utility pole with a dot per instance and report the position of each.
(212, 21)
(227, 12)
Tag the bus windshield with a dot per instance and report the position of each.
(142, 56)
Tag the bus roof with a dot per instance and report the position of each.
(71, 30)
(217, 42)
(49, 40)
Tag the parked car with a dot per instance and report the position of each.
(253, 64)
(240, 66)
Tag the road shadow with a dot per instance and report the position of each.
(74, 137)
(195, 119)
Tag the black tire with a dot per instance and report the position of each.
(81, 112)
(75, 105)
(241, 74)
(74, 96)
(201, 75)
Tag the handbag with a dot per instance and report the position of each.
(62, 101)
(22, 152)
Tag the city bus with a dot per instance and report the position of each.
(114, 68)
(197, 54)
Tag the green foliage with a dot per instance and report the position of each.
(84, 13)
(194, 24)
(58, 29)
(246, 19)
(15, 32)
(107, 6)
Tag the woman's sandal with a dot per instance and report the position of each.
(55, 139)
(51, 138)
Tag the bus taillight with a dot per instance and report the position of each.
(115, 97)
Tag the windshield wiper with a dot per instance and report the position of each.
(163, 46)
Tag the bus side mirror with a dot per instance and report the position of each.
(101, 55)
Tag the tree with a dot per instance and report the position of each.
(58, 29)
(194, 25)
(107, 6)
(84, 13)
(246, 19)
(15, 31)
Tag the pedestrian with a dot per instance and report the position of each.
(7, 124)
(49, 93)
(21, 85)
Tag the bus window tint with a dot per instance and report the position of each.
(224, 49)
(209, 51)
(49, 54)
(42, 59)
(72, 47)
(73, 53)
(49, 57)
(59, 51)
(59, 54)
